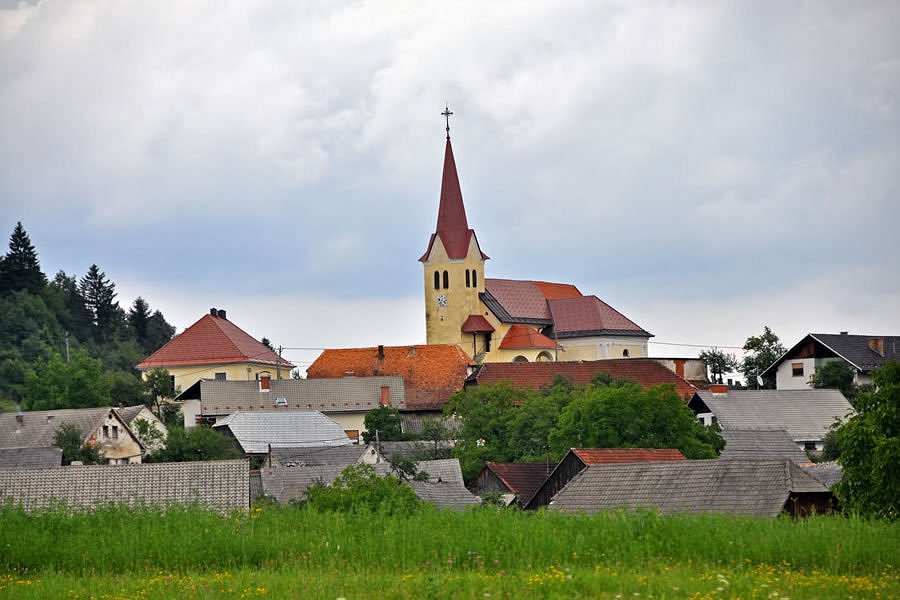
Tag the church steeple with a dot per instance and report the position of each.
(452, 225)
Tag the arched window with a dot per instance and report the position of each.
(474, 278)
(437, 280)
(544, 357)
(625, 352)
(468, 279)
(446, 280)
(520, 358)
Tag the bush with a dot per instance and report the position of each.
(359, 489)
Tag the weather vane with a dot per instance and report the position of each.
(446, 115)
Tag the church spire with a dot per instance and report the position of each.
(452, 225)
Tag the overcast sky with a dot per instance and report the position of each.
(707, 168)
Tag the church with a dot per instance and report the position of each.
(506, 320)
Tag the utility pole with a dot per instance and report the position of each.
(278, 365)
(67, 346)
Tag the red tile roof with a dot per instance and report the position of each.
(643, 371)
(212, 341)
(588, 314)
(523, 337)
(527, 299)
(522, 479)
(476, 324)
(452, 226)
(431, 373)
(606, 456)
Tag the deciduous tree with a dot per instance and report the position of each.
(869, 444)
(760, 352)
(55, 383)
(386, 421)
(718, 363)
(836, 375)
(69, 439)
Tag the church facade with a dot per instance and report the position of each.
(505, 320)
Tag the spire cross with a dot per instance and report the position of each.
(446, 115)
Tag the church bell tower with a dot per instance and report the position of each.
(453, 263)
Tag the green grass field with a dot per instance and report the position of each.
(300, 553)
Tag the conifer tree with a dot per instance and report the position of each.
(99, 295)
(20, 268)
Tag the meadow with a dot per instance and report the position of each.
(290, 552)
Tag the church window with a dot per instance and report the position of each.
(446, 280)
(545, 357)
(468, 279)
(437, 280)
(625, 352)
(520, 359)
(474, 278)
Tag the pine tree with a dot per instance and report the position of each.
(20, 268)
(99, 295)
(138, 317)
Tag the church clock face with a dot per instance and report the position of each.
(442, 299)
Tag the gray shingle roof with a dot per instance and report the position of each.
(221, 485)
(758, 488)
(347, 394)
(805, 414)
(285, 484)
(855, 348)
(758, 444)
(322, 455)
(413, 449)
(38, 427)
(30, 458)
(255, 431)
(828, 473)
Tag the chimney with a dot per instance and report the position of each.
(679, 367)
(222, 313)
(380, 352)
(213, 312)
(718, 388)
(877, 345)
(411, 351)
(385, 395)
(20, 419)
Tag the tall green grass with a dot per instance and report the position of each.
(190, 540)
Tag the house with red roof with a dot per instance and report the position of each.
(216, 348)
(431, 373)
(513, 482)
(506, 320)
(645, 372)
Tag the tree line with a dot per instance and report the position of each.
(66, 342)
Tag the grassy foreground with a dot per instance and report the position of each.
(289, 552)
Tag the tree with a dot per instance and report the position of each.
(761, 352)
(196, 443)
(360, 489)
(69, 439)
(54, 383)
(386, 421)
(718, 363)
(836, 375)
(869, 445)
(100, 299)
(149, 435)
(20, 268)
(629, 416)
(158, 385)
(139, 317)
(435, 431)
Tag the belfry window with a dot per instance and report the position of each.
(474, 278)
(437, 280)
(468, 279)
(446, 280)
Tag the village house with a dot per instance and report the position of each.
(763, 488)
(255, 432)
(431, 374)
(806, 415)
(103, 427)
(215, 348)
(645, 372)
(862, 353)
(345, 399)
(577, 459)
(221, 485)
(506, 320)
(510, 482)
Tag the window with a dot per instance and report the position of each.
(474, 278)
(115, 432)
(811, 446)
(520, 359)
(446, 280)
(280, 401)
(106, 432)
(797, 369)
(468, 278)
(220, 376)
(437, 280)
(625, 352)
